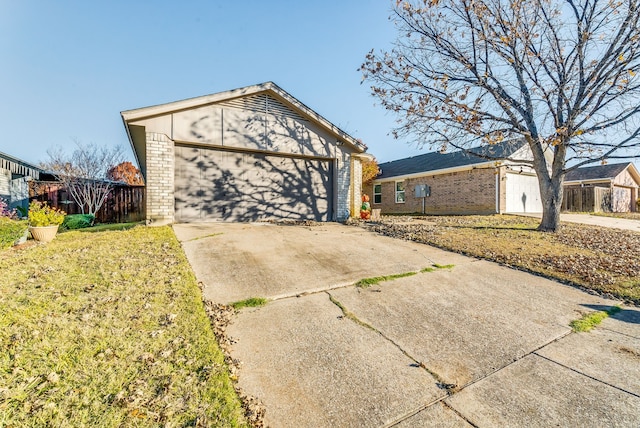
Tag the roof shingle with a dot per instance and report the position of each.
(436, 161)
(596, 172)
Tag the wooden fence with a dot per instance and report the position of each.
(586, 199)
(124, 203)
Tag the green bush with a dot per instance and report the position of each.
(10, 231)
(78, 221)
(41, 214)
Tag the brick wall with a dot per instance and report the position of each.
(343, 163)
(160, 187)
(465, 192)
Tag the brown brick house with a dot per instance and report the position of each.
(473, 182)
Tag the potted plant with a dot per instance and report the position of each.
(44, 221)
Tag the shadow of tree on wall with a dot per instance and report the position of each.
(227, 184)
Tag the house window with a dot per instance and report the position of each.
(377, 193)
(399, 192)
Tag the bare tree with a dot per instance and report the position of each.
(84, 173)
(562, 75)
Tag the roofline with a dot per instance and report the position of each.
(472, 166)
(634, 171)
(133, 148)
(608, 180)
(21, 162)
(189, 103)
(630, 166)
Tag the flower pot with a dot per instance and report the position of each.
(43, 233)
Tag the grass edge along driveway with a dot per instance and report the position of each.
(108, 329)
(597, 259)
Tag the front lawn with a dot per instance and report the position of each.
(604, 260)
(108, 329)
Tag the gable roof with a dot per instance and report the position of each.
(267, 87)
(435, 161)
(598, 172)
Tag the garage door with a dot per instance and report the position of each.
(215, 185)
(523, 194)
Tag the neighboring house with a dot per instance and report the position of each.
(459, 182)
(611, 187)
(247, 154)
(15, 175)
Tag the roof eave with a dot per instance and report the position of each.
(461, 168)
(176, 106)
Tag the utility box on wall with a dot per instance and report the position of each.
(422, 191)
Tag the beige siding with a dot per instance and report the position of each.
(621, 199)
(281, 131)
(625, 179)
(466, 192)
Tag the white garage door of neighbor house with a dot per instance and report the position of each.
(224, 185)
(523, 194)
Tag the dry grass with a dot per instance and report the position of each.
(108, 329)
(629, 216)
(603, 260)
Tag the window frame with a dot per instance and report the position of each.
(400, 192)
(379, 194)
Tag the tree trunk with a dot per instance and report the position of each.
(552, 193)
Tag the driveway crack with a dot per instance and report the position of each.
(351, 316)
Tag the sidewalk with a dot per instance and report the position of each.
(594, 220)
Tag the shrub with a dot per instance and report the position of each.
(11, 231)
(78, 221)
(5, 211)
(41, 214)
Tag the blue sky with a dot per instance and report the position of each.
(70, 67)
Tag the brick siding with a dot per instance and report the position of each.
(465, 192)
(160, 187)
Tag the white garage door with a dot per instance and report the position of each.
(523, 194)
(242, 186)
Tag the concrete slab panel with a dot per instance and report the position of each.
(236, 261)
(467, 323)
(314, 368)
(538, 392)
(627, 321)
(608, 356)
(435, 416)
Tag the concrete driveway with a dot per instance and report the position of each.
(476, 344)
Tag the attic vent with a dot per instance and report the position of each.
(263, 103)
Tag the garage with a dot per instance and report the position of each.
(248, 154)
(523, 194)
(214, 185)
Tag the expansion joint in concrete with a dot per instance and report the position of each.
(586, 375)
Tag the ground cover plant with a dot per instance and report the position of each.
(591, 320)
(10, 231)
(603, 260)
(108, 329)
